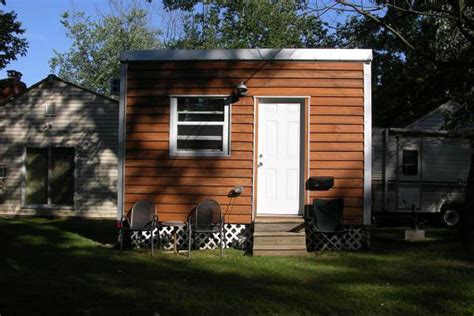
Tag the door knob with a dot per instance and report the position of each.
(260, 164)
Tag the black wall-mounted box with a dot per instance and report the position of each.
(319, 183)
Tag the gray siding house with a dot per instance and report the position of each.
(58, 152)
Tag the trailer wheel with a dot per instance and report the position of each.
(450, 217)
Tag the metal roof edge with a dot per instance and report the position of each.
(466, 133)
(303, 54)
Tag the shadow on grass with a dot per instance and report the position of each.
(46, 268)
(100, 230)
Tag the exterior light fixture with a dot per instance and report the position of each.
(236, 191)
(240, 90)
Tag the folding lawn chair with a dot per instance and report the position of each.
(327, 215)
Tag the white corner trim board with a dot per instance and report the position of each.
(367, 143)
(306, 54)
(121, 141)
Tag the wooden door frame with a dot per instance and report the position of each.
(305, 101)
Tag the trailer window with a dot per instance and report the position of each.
(200, 126)
(410, 162)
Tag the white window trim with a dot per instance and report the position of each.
(173, 150)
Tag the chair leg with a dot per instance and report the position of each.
(222, 241)
(325, 242)
(121, 239)
(159, 238)
(344, 240)
(328, 243)
(189, 239)
(152, 246)
(225, 239)
(334, 245)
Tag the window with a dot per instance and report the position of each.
(50, 109)
(199, 126)
(49, 177)
(3, 171)
(410, 162)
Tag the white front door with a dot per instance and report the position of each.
(279, 158)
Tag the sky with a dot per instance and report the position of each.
(45, 33)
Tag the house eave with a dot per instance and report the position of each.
(56, 78)
(285, 54)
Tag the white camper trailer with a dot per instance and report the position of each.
(422, 171)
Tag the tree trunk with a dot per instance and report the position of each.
(467, 219)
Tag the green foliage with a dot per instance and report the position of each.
(93, 59)
(11, 42)
(410, 82)
(248, 24)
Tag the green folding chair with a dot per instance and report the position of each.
(327, 216)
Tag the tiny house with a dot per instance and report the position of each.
(58, 151)
(196, 123)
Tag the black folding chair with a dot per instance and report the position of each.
(327, 216)
(142, 217)
(206, 218)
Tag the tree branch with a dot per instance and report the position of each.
(404, 40)
(465, 32)
(424, 13)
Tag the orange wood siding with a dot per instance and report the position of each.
(177, 184)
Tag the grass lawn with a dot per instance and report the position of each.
(69, 267)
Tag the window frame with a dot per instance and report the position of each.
(47, 206)
(50, 113)
(416, 165)
(226, 132)
(3, 171)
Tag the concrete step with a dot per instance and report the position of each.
(279, 238)
(279, 247)
(280, 250)
(278, 233)
(278, 227)
(279, 219)
(297, 240)
(280, 253)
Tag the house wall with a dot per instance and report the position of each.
(83, 120)
(177, 184)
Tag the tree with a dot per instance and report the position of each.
(427, 47)
(11, 42)
(406, 85)
(93, 59)
(452, 19)
(420, 53)
(248, 24)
